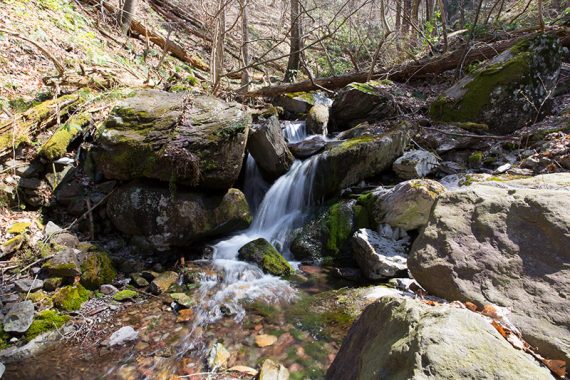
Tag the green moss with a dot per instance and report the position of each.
(56, 146)
(97, 269)
(18, 228)
(45, 321)
(478, 91)
(351, 143)
(262, 253)
(71, 297)
(124, 295)
(266, 310)
(475, 158)
(276, 264)
(371, 87)
(361, 217)
(339, 226)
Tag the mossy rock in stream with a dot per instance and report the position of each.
(56, 146)
(262, 253)
(71, 297)
(175, 138)
(327, 236)
(511, 91)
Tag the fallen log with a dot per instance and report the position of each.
(173, 48)
(413, 70)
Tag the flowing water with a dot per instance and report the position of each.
(283, 208)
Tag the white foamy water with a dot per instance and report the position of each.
(294, 131)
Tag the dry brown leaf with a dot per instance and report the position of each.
(499, 328)
(185, 315)
(558, 367)
(471, 306)
(429, 302)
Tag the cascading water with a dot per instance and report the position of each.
(294, 131)
(255, 185)
(282, 209)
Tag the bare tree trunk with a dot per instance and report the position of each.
(246, 74)
(415, 21)
(126, 15)
(294, 62)
(217, 57)
(398, 23)
(462, 14)
(407, 16)
(443, 24)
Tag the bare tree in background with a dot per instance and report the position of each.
(126, 15)
(294, 62)
(246, 73)
(217, 56)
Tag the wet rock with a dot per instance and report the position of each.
(2, 370)
(123, 335)
(168, 218)
(269, 149)
(371, 101)
(273, 371)
(138, 280)
(506, 93)
(218, 357)
(506, 243)
(182, 299)
(415, 164)
(309, 147)
(163, 281)
(348, 162)
(174, 137)
(262, 253)
(19, 318)
(28, 284)
(407, 205)
(398, 338)
(380, 257)
(328, 235)
(318, 119)
(66, 263)
(108, 289)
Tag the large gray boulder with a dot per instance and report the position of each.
(19, 318)
(415, 164)
(399, 338)
(192, 140)
(269, 148)
(511, 91)
(176, 217)
(358, 102)
(504, 243)
(348, 162)
(407, 205)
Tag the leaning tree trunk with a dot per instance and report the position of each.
(294, 62)
(246, 73)
(127, 14)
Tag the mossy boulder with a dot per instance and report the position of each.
(348, 162)
(45, 321)
(328, 234)
(97, 268)
(359, 102)
(176, 218)
(401, 338)
(174, 137)
(262, 253)
(511, 91)
(71, 297)
(65, 263)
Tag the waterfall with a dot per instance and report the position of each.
(255, 186)
(294, 131)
